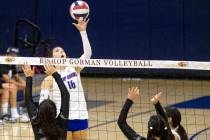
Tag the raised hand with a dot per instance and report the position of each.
(27, 70)
(49, 69)
(133, 93)
(81, 25)
(155, 98)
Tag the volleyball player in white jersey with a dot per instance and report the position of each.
(78, 114)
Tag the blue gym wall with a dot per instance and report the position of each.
(120, 29)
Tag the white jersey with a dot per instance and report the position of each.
(175, 133)
(77, 102)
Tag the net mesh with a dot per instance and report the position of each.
(105, 97)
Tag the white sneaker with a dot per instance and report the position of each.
(1, 122)
(7, 118)
(24, 118)
(12, 120)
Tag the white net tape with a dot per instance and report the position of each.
(108, 63)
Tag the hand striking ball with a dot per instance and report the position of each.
(79, 10)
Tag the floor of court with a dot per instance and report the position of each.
(107, 95)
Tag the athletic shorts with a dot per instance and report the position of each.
(77, 125)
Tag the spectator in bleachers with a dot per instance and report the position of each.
(8, 95)
(9, 75)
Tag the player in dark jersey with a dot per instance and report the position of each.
(174, 120)
(172, 116)
(45, 124)
(158, 128)
(8, 97)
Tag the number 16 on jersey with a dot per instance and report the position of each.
(71, 84)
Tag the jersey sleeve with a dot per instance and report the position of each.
(30, 105)
(64, 110)
(162, 113)
(125, 128)
(86, 46)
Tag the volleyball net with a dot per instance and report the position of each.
(107, 63)
(105, 96)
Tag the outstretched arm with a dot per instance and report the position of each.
(45, 88)
(64, 110)
(158, 106)
(86, 46)
(82, 26)
(159, 110)
(30, 105)
(122, 123)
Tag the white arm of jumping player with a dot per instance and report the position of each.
(86, 46)
(45, 88)
(44, 94)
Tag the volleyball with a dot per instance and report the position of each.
(79, 10)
